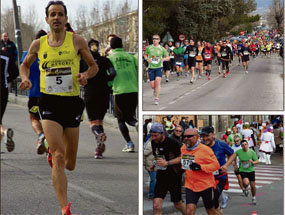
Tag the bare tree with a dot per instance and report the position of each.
(81, 18)
(275, 16)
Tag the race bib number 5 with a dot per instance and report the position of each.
(186, 161)
(58, 80)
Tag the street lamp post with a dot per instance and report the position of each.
(17, 35)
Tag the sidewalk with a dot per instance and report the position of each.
(109, 119)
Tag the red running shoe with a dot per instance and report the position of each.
(49, 158)
(228, 72)
(209, 78)
(224, 75)
(66, 210)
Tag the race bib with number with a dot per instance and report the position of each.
(224, 54)
(207, 56)
(179, 63)
(245, 164)
(155, 162)
(58, 80)
(155, 60)
(186, 161)
(192, 54)
(245, 53)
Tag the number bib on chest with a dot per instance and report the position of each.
(207, 56)
(245, 164)
(245, 53)
(186, 161)
(155, 163)
(192, 54)
(155, 60)
(58, 80)
(224, 54)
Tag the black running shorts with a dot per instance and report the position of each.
(191, 62)
(168, 182)
(249, 175)
(208, 62)
(65, 110)
(96, 106)
(125, 106)
(245, 58)
(193, 197)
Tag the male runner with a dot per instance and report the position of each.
(179, 59)
(125, 90)
(169, 176)
(155, 55)
(236, 146)
(192, 51)
(230, 139)
(97, 96)
(60, 105)
(248, 159)
(225, 56)
(221, 149)
(245, 51)
(199, 162)
(33, 103)
(208, 54)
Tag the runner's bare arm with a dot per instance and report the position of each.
(25, 66)
(224, 168)
(82, 48)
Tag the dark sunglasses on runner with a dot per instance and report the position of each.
(189, 136)
(178, 130)
(155, 38)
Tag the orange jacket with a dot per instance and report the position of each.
(200, 180)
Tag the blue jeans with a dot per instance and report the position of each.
(152, 175)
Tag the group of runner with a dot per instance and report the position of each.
(205, 160)
(190, 56)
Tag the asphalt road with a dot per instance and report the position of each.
(261, 89)
(107, 186)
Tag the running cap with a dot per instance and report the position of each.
(116, 42)
(157, 128)
(228, 129)
(207, 130)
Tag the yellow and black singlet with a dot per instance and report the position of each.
(59, 67)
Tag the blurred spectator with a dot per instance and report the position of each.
(8, 46)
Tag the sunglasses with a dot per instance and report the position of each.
(178, 130)
(189, 136)
(155, 38)
(237, 141)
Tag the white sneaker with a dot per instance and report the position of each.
(156, 101)
(246, 72)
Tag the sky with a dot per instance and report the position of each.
(72, 7)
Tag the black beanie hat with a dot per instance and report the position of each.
(93, 41)
(116, 42)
